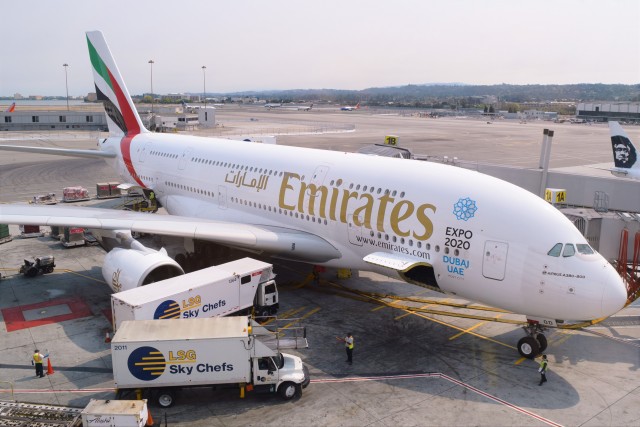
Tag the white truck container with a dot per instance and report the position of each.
(115, 413)
(160, 358)
(231, 288)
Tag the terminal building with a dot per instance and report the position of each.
(93, 118)
(35, 120)
(605, 111)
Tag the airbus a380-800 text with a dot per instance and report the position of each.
(432, 225)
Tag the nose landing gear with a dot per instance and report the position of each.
(534, 343)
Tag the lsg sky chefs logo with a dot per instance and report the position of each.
(148, 363)
(187, 308)
(168, 309)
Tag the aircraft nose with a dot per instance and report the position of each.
(614, 292)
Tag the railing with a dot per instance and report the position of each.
(629, 271)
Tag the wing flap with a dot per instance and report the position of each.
(91, 154)
(398, 262)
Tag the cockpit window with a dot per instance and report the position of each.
(556, 250)
(584, 249)
(569, 250)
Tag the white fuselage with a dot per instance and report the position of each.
(487, 240)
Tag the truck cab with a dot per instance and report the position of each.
(284, 373)
(266, 301)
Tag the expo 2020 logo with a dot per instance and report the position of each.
(465, 209)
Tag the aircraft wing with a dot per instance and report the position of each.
(92, 154)
(279, 241)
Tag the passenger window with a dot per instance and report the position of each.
(584, 249)
(569, 250)
(555, 250)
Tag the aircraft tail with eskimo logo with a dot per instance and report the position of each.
(625, 154)
(122, 117)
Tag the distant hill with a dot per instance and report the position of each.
(424, 94)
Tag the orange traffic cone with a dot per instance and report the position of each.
(150, 418)
(107, 337)
(49, 367)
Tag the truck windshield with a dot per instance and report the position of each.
(278, 360)
(270, 289)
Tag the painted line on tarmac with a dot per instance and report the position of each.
(445, 377)
(59, 368)
(471, 328)
(35, 391)
(620, 340)
(462, 330)
(337, 380)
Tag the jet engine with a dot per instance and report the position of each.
(126, 269)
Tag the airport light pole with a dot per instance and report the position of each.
(66, 83)
(204, 85)
(151, 64)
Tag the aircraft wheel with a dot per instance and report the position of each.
(542, 341)
(528, 347)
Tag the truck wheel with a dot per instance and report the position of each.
(165, 398)
(289, 390)
(32, 272)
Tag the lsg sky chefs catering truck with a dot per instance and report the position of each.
(231, 288)
(160, 358)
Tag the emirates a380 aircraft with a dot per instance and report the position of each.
(432, 225)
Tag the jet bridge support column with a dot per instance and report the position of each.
(629, 272)
(545, 154)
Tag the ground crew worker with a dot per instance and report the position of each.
(317, 269)
(348, 343)
(543, 369)
(37, 360)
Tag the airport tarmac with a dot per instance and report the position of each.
(409, 368)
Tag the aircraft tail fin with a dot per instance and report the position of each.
(122, 116)
(625, 155)
(11, 108)
(357, 106)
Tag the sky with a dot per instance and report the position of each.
(293, 44)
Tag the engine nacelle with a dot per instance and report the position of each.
(126, 269)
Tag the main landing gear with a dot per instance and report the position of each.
(534, 343)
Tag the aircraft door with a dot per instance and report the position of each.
(319, 174)
(316, 199)
(355, 231)
(186, 156)
(143, 152)
(222, 197)
(494, 263)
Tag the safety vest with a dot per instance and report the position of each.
(37, 358)
(543, 365)
(349, 342)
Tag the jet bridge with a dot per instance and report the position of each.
(630, 271)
